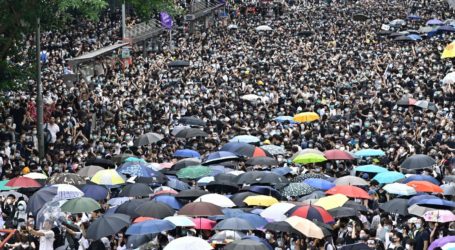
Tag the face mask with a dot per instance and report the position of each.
(418, 225)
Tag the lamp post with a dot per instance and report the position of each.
(39, 97)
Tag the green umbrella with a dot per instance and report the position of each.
(193, 172)
(309, 158)
(5, 188)
(80, 205)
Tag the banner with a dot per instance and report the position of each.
(166, 20)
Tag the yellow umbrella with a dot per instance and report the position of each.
(306, 227)
(449, 51)
(332, 201)
(260, 200)
(107, 177)
(306, 117)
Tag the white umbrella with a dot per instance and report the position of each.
(449, 78)
(216, 199)
(400, 189)
(232, 27)
(277, 211)
(36, 176)
(181, 221)
(205, 180)
(350, 180)
(66, 192)
(263, 28)
(188, 243)
(397, 22)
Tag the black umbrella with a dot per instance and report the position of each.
(246, 244)
(303, 177)
(403, 39)
(236, 224)
(342, 212)
(418, 161)
(191, 120)
(135, 241)
(130, 206)
(105, 163)
(356, 206)
(384, 32)
(155, 209)
(107, 225)
(187, 162)
(190, 133)
(281, 226)
(261, 177)
(360, 17)
(190, 194)
(239, 197)
(147, 139)
(222, 187)
(178, 64)
(314, 195)
(262, 161)
(66, 178)
(158, 179)
(136, 190)
(396, 206)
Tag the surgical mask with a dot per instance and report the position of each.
(418, 225)
(268, 236)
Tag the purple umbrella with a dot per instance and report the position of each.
(441, 242)
(434, 22)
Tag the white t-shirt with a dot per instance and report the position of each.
(46, 242)
(53, 130)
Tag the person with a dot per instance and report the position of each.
(422, 235)
(396, 241)
(46, 235)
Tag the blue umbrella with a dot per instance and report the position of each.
(282, 171)
(370, 169)
(150, 227)
(169, 200)
(95, 192)
(177, 184)
(389, 177)
(187, 153)
(232, 212)
(319, 183)
(368, 153)
(136, 169)
(219, 169)
(419, 198)
(434, 22)
(436, 203)
(414, 17)
(421, 178)
(117, 201)
(446, 28)
(134, 159)
(261, 240)
(254, 219)
(415, 37)
(282, 119)
(219, 156)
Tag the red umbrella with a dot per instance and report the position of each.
(204, 224)
(312, 213)
(336, 154)
(142, 219)
(425, 186)
(349, 191)
(23, 182)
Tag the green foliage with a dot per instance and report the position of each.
(145, 8)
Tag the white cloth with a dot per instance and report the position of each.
(53, 130)
(46, 242)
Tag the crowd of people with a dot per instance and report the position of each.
(312, 57)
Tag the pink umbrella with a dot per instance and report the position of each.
(441, 216)
(203, 223)
(336, 154)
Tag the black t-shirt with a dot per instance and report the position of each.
(420, 238)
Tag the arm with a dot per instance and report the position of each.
(35, 233)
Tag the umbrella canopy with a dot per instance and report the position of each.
(425, 186)
(427, 178)
(51, 193)
(356, 246)
(356, 206)
(200, 209)
(342, 212)
(178, 64)
(245, 138)
(297, 189)
(204, 223)
(399, 189)
(332, 201)
(236, 224)
(22, 182)
(66, 178)
(225, 237)
(191, 120)
(306, 227)
(441, 242)
(396, 206)
(349, 191)
(449, 78)
(108, 177)
(190, 194)
(147, 139)
(216, 199)
(277, 211)
(449, 51)
(187, 153)
(419, 210)
(265, 190)
(282, 171)
(107, 225)
(309, 158)
(360, 17)
(440, 216)
(238, 198)
(350, 181)
(136, 190)
(306, 117)
(193, 172)
(448, 189)
(220, 156)
(369, 153)
(388, 177)
(6, 188)
(263, 28)
(261, 177)
(274, 150)
(418, 161)
(188, 243)
(246, 244)
(260, 200)
(129, 207)
(370, 169)
(36, 176)
(434, 21)
(186, 163)
(89, 171)
(320, 184)
(244, 149)
(313, 213)
(262, 161)
(169, 200)
(95, 192)
(436, 203)
(336, 154)
(105, 163)
(190, 133)
(137, 169)
(413, 200)
(80, 205)
(313, 196)
(155, 209)
(181, 221)
(150, 227)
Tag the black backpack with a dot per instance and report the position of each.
(59, 240)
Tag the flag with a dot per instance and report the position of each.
(166, 20)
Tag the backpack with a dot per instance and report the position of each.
(329, 246)
(59, 240)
